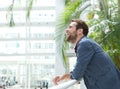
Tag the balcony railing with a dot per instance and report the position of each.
(64, 85)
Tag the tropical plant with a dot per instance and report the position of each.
(10, 15)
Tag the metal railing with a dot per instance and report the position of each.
(64, 85)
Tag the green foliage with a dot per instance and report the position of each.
(29, 7)
(9, 15)
(69, 9)
(105, 29)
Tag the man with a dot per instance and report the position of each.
(93, 64)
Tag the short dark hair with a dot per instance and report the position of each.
(81, 24)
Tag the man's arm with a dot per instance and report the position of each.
(85, 52)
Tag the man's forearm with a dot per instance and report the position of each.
(65, 76)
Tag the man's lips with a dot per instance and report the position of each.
(67, 34)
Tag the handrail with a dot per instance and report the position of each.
(64, 85)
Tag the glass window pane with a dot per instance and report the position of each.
(42, 16)
(28, 48)
(43, 32)
(43, 46)
(3, 4)
(12, 33)
(39, 3)
(10, 47)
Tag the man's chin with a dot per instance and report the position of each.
(67, 39)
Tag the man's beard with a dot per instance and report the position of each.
(71, 38)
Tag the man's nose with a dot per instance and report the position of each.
(66, 30)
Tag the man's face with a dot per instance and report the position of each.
(71, 33)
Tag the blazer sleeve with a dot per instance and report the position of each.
(85, 52)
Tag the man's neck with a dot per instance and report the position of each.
(77, 40)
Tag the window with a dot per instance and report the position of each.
(29, 46)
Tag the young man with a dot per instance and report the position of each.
(93, 64)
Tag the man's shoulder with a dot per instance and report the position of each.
(86, 40)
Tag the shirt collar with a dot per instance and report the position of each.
(77, 45)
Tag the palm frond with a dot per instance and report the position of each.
(9, 15)
(63, 21)
(30, 3)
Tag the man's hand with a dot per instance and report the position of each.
(57, 79)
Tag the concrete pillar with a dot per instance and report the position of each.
(59, 68)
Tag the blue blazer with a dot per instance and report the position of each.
(95, 66)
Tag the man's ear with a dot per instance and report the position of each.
(80, 31)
